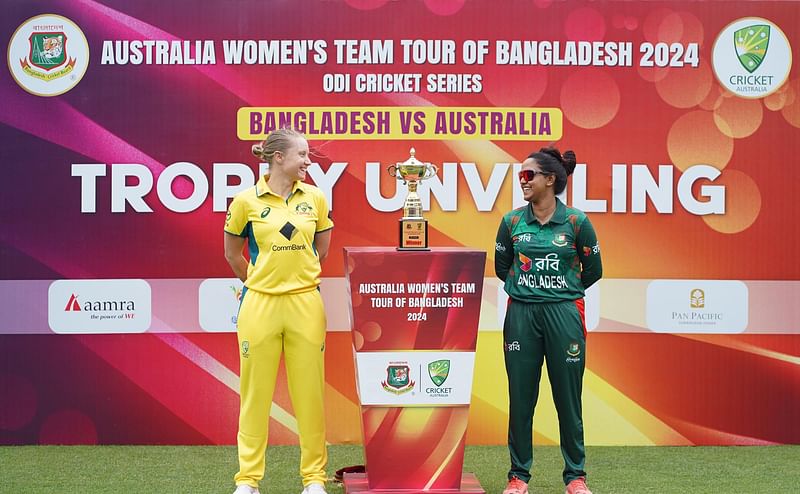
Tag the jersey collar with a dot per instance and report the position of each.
(263, 188)
(559, 216)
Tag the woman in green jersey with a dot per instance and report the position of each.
(547, 254)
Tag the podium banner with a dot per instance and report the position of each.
(414, 317)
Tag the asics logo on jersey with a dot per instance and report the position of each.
(265, 211)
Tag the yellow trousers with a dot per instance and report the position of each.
(267, 326)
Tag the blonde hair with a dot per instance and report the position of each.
(277, 140)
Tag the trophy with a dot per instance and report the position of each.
(413, 227)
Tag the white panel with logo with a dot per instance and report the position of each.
(697, 306)
(219, 304)
(414, 378)
(99, 306)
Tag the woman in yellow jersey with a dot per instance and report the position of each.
(286, 227)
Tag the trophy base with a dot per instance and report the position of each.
(413, 234)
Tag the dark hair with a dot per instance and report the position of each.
(552, 162)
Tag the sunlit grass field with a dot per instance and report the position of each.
(210, 469)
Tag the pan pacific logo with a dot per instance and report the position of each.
(751, 57)
(697, 299)
(48, 55)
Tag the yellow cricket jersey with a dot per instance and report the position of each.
(280, 236)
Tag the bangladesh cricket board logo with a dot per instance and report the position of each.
(573, 350)
(751, 57)
(48, 55)
(398, 379)
(438, 371)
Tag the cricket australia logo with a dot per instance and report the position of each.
(751, 57)
(398, 380)
(438, 371)
(304, 209)
(751, 45)
(245, 349)
(48, 55)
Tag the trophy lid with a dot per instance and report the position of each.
(412, 160)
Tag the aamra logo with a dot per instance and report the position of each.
(398, 380)
(48, 55)
(438, 370)
(72, 304)
(697, 299)
(751, 57)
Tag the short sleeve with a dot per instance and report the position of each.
(324, 221)
(236, 218)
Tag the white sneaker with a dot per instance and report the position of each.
(314, 488)
(245, 489)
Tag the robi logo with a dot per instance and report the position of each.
(72, 304)
(525, 262)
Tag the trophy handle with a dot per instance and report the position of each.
(430, 168)
(392, 169)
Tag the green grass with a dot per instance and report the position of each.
(210, 469)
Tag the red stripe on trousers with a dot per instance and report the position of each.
(581, 305)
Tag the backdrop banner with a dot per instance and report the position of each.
(127, 128)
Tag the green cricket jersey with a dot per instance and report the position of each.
(553, 262)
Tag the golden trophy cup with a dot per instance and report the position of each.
(413, 227)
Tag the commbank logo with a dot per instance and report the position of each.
(48, 55)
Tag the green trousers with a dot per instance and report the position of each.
(534, 333)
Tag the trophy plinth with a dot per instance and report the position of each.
(413, 227)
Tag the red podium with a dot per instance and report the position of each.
(414, 317)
